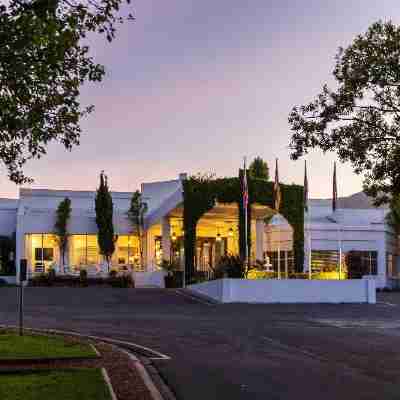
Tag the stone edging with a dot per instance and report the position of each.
(108, 382)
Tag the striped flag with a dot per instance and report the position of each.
(245, 188)
(305, 187)
(277, 189)
(334, 189)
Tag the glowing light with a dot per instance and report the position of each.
(230, 232)
(218, 238)
(173, 237)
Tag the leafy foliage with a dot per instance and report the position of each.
(393, 218)
(104, 219)
(63, 214)
(43, 63)
(201, 193)
(230, 266)
(136, 213)
(360, 120)
(259, 169)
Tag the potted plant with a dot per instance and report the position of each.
(169, 267)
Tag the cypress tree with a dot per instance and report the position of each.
(104, 220)
(63, 214)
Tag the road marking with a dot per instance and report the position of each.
(290, 348)
(156, 354)
(387, 303)
(202, 301)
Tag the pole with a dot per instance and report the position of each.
(245, 223)
(340, 253)
(309, 247)
(286, 265)
(22, 279)
(21, 308)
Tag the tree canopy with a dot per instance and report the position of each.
(259, 169)
(360, 119)
(44, 60)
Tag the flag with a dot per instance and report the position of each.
(277, 189)
(334, 189)
(245, 188)
(305, 187)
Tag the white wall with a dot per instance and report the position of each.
(288, 291)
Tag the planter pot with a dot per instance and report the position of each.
(169, 281)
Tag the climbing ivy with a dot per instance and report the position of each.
(202, 192)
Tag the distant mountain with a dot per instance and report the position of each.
(357, 200)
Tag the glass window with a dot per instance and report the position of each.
(42, 251)
(360, 263)
(84, 251)
(127, 253)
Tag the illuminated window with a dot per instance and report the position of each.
(127, 253)
(42, 252)
(84, 251)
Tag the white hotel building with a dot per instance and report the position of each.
(356, 230)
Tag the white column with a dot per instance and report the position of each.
(260, 226)
(166, 238)
(150, 251)
(382, 261)
(20, 240)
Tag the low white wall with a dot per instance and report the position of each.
(12, 280)
(288, 291)
(151, 278)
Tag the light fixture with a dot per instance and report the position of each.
(230, 232)
(218, 238)
(173, 237)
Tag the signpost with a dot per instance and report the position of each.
(22, 279)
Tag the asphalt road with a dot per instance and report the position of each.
(236, 351)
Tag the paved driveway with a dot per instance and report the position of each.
(236, 351)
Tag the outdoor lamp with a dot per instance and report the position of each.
(230, 232)
(173, 237)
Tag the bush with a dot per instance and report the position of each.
(230, 267)
(123, 281)
(113, 273)
(83, 279)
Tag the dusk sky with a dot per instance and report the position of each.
(195, 85)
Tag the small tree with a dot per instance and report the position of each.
(136, 214)
(259, 169)
(63, 215)
(104, 220)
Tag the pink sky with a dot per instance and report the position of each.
(194, 86)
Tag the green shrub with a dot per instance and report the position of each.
(230, 267)
(123, 281)
(83, 278)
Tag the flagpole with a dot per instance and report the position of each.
(245, 222)
(308, 225)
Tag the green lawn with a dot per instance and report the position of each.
(79, 384)
(13, 346)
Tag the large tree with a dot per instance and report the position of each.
(44, 60)
(104, 220)
(259, 169)
(360, 118)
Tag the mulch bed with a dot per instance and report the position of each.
(126, 381)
